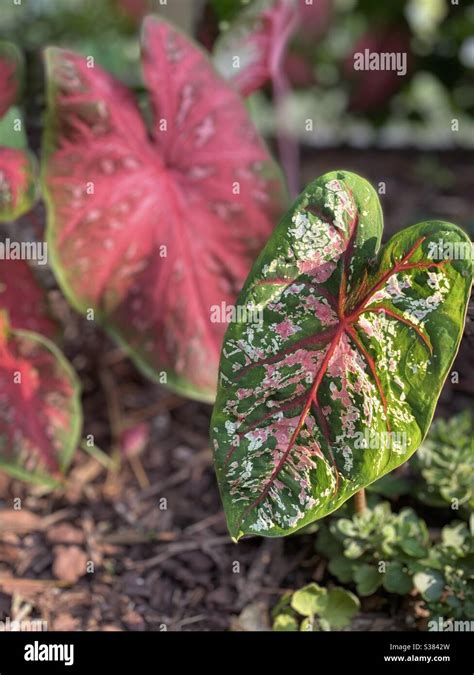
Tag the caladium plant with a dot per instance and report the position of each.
(336, 384)
(40, 412)
(17, 181)
(175, 213)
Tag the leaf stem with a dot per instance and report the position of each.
(360, 501)
(98, 454)
(288, 147)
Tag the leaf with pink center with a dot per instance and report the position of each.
(337, 383)
(40, 413)
(176, 214)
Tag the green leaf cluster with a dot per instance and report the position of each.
(375, 548)
(381, 549)
(315, 608)
(446, 463)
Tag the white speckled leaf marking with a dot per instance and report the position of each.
(338, 385)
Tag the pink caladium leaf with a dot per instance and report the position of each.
(330, 379)
(253, 50)
(17, 166)
(154, 228)
(40, 413)
(250, 52)
(22, 298)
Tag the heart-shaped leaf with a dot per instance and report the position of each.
(309, 600)
(340, 608)
(17, 165)
(40, 413)
(335, 382)
(254, 48)
(248, 52)
(23, 298)
(153, 230)
(430, 584)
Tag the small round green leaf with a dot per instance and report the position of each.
(430, 584)
(396, 579)
(309, 600)
(285, 622)
(341, 606)
(367, 578)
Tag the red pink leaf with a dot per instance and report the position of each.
(23, 299)
(250, 51)
(40, 416)
(153, 229)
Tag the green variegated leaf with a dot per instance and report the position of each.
(335, 381)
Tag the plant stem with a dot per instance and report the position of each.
(288, 147)
(98, 454)
(360, 502)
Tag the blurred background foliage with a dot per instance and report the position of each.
(362, 109)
